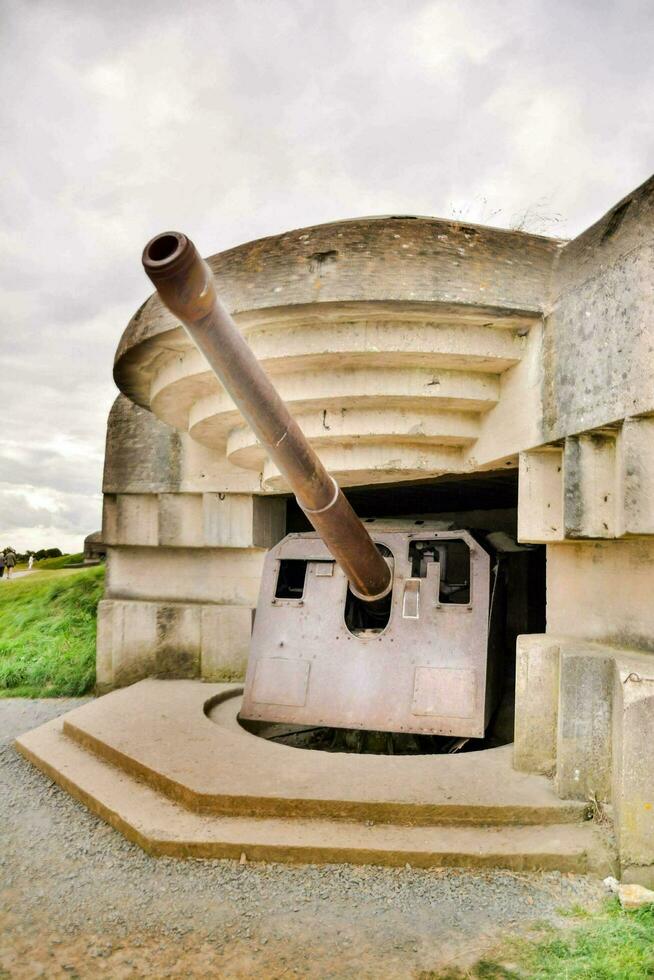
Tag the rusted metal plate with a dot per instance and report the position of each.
(426, 671)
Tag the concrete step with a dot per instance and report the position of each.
(183, 738)
(163, 827)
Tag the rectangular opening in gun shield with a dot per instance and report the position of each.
(291, 577)
(454, 561)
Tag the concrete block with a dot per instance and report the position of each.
(598, 339)
(136, 519)
(142, 452)
(583, 753)
(636, 456)
(536, 703)
(540, 496)
(241, 520)
(602, 591)
(180, 520)
(227, 519)
(129, 631)
(226, 635)
(110, 518)
(589, 485)
(178, 640)
(204, 575)
(268, 521)
(633, 768)
(104, 668)
(129, 519)
(204, 468)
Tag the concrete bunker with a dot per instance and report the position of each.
(441, 372)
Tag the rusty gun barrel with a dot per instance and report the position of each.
(185, 284)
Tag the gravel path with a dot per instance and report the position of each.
(78, 900)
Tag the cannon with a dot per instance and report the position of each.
(378, 626)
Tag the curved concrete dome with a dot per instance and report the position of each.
(387, 337)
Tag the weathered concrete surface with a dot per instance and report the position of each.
(227, 576)
(589, 485)
(163, 828)
(540, 501)
(603, 710)
(142, 454)
(193, 520)
(158, 730)
(170, 640)
(152, 748)
(388, 338)
(177, 538)
(598, 338)
(602, 590)
(583, 750)
(536, 704)
(637, 476)
(377, 260)
(603, 480)
(633, 771)
(225, 642)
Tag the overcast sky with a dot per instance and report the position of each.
(241, 118)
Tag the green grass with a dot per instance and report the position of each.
(59, 562)
(47, 633)
(610, 945)
(614, 945)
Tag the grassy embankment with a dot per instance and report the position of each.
(47, 631)
(52, 563)
(610, 945)
(49, 564)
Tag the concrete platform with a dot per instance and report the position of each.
(150, 761)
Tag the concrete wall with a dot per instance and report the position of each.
(184, 555)
(598, 333)
(585, 691)
(585, 716)
(602, 590)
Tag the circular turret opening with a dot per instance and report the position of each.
(360, 742)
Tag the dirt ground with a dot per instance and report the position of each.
(77, 900)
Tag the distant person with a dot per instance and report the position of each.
(2, 564)
(10, 561)
(30, 563)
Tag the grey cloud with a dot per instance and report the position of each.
(236, 120)
(54, 471)
(74, 513)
